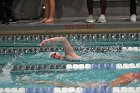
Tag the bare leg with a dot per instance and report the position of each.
(52, 10)
(47, 10)
(124, 79)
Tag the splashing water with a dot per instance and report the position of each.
(80, 45)
(87, 55)
(40, 55)
(26, 79)
(5, 76)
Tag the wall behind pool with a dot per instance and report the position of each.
(77, 8)
(71, 8)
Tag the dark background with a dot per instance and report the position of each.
(30, 9)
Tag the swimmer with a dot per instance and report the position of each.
(68, 49)
(121, 80)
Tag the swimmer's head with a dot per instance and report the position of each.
(56, 55)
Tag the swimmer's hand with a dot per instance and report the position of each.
(26, 80)
(42, 44)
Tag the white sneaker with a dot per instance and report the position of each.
(102, 19)
(133, 18)
(90, 19)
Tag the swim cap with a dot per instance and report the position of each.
(51, 54)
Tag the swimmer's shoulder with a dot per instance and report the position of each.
(73, 59)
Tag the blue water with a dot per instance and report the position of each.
(68, 77)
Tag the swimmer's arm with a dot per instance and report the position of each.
(124, 79)
(68, 49)
(88, 84)
(54, 83)
(48, 83)
(54, 39)
(59, 84)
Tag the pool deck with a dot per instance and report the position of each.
(71, 25)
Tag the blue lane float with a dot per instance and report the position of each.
(100, 66)
(98, 89)
(39, 90)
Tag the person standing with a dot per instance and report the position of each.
(90, 18)
(49, 11)
(133, 8)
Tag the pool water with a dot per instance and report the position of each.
(90, 57)
(127, 52)
(75, 76)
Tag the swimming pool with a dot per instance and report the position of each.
(105, 56)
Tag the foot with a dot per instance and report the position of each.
(102, 19)
(133, 18)
(50, 20)
(43, 20)
(90, 19)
